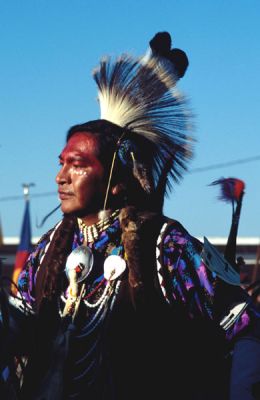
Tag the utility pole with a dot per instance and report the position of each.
(26, 190)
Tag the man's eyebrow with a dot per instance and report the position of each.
(76, 157)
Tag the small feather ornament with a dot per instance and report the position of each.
(141, 173)
(231, 189)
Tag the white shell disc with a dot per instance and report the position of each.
(81, 261)
(114, 266)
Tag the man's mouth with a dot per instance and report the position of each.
(64, 195)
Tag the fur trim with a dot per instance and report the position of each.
(131, 224)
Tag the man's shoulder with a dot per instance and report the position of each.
(171, 224)
(174, 230)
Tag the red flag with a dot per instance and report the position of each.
(25, 245)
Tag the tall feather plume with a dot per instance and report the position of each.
(232, 191)
(140, 95)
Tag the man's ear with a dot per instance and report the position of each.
(118, 189)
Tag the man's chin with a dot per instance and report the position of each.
(78, 213)
(66, 209)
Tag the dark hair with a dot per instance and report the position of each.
(107, 133)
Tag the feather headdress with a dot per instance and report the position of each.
(140, 96)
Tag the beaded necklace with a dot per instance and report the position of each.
(92, 232)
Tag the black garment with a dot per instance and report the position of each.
(148, 348)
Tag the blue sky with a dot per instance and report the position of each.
(48, 50)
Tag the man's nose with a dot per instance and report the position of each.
(63, 175)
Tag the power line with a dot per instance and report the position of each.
(195, 170)
(45, 194)
(222, 165)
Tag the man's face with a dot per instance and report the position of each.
(80, 180)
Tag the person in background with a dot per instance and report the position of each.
(116, 301)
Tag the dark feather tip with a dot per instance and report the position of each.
(161, 46)
(161, 43)
(180, 60)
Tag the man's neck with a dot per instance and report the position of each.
(94, 218)
(90, 219)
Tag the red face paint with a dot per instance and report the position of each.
(80, 180)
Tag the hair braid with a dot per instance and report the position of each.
(55, 260)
